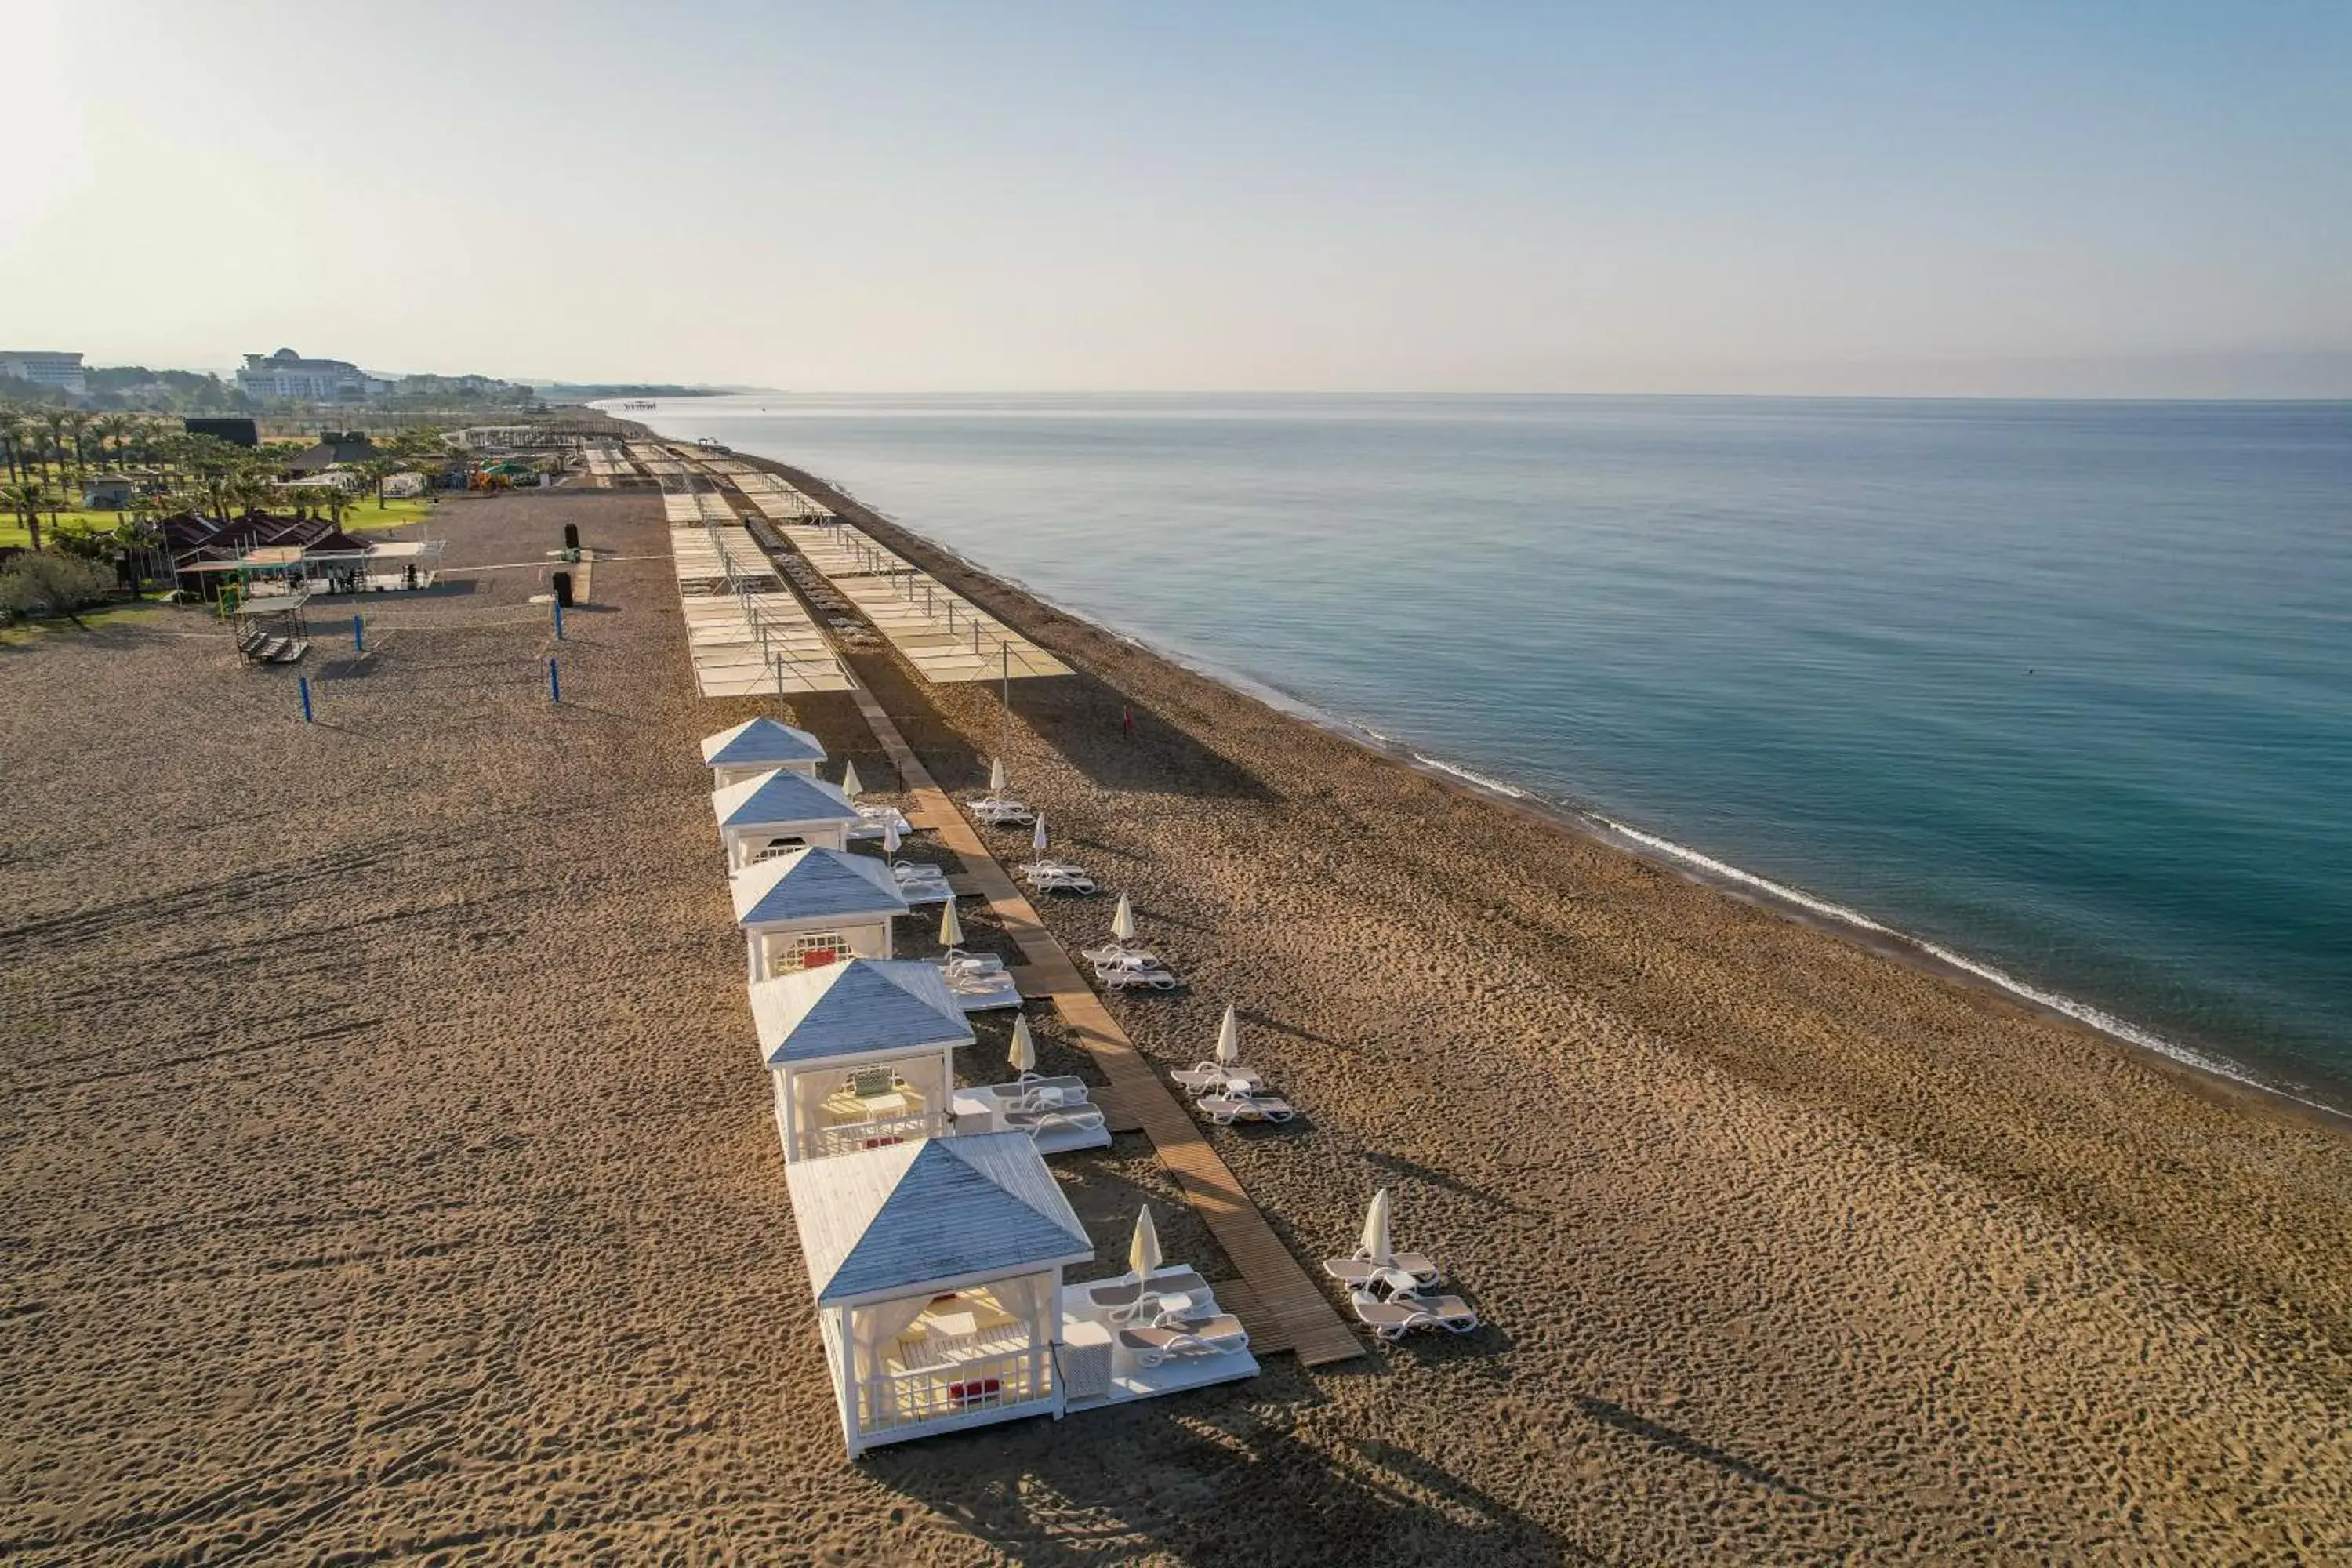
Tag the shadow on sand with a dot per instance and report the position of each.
(1211, 1479)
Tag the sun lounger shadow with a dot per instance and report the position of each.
(1268, 1021)
(1413, 1170)
(1688, 1446)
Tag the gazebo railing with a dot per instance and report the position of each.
(848, 1137)
(954, 1388)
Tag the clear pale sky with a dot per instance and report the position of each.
(2135, 199)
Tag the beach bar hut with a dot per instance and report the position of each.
(811, 907)
(756, 745)
(770, 813)
(937, 1267)
(863, 1053)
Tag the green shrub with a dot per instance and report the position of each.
(47, 583)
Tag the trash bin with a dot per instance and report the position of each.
(571, 536)
(563, 589)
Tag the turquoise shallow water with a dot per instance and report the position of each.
(2063, 688)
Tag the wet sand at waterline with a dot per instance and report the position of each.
(390, 1175)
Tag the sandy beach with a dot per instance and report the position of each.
(391, 1176)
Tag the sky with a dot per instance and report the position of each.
(2132, 199)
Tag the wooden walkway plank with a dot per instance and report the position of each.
(1291, 1310)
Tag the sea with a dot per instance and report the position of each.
(2063, 690)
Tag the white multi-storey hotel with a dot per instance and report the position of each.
(287, 374)
(43, 368)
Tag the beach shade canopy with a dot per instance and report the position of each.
(1023, 1053)
(802, 884)
(1376, 1244)
(1229, 1038)
(1037, 835)
(1122, 920)
(850, 785)
(996, 775)
(762, 743)
(951, 928)
(886, 1221)
(865, 1007)
(1143, 1247)
(780, 799)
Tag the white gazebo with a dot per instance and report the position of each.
(770, 813)
(863, 1053)
(936, 1268)
(812, 907)
(757, 745)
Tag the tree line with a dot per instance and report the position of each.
(47, 454)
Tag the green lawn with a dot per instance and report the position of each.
(12, 527)
(95, 617)
(365, 517)
(369, 514)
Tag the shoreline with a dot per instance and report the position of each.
(2206, 1072)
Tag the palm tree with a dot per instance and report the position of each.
(113, 433)
(77, 425)
(16, 431)
(26, 499)
(54, 422)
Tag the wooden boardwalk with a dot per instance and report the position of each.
(1282, 1307)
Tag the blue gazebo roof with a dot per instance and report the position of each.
(911, 1215)
(805, 884)
(760, 742)
(866, 1007)
(778, 798)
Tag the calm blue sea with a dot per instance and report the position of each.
(2065, 688)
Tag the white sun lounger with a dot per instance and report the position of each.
(1224, 1110)
(1361, 1271)
(920, 884)
(1060, 881)
(1204, 1337)
(1033, 1092)
(876, 818)
(1117, 952)
(994, 813)
(1123, 1299)
(1400, 1314)
(1041, 1124)
(1203, 1076)
(1140, 979)
(978, 981)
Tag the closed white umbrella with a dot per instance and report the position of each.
(951, 928)
(890, 837)
(1122, 920)
(1376, 1244)
(1229, 1038)
(1037, 835)
(1143, 1251)
(849, 784)
(1023, 1053)
(996, 775)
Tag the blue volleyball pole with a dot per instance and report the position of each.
(359, 634)
(305, 681)
(559, 620)
(554, 684)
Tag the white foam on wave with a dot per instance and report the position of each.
(1468, 777)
